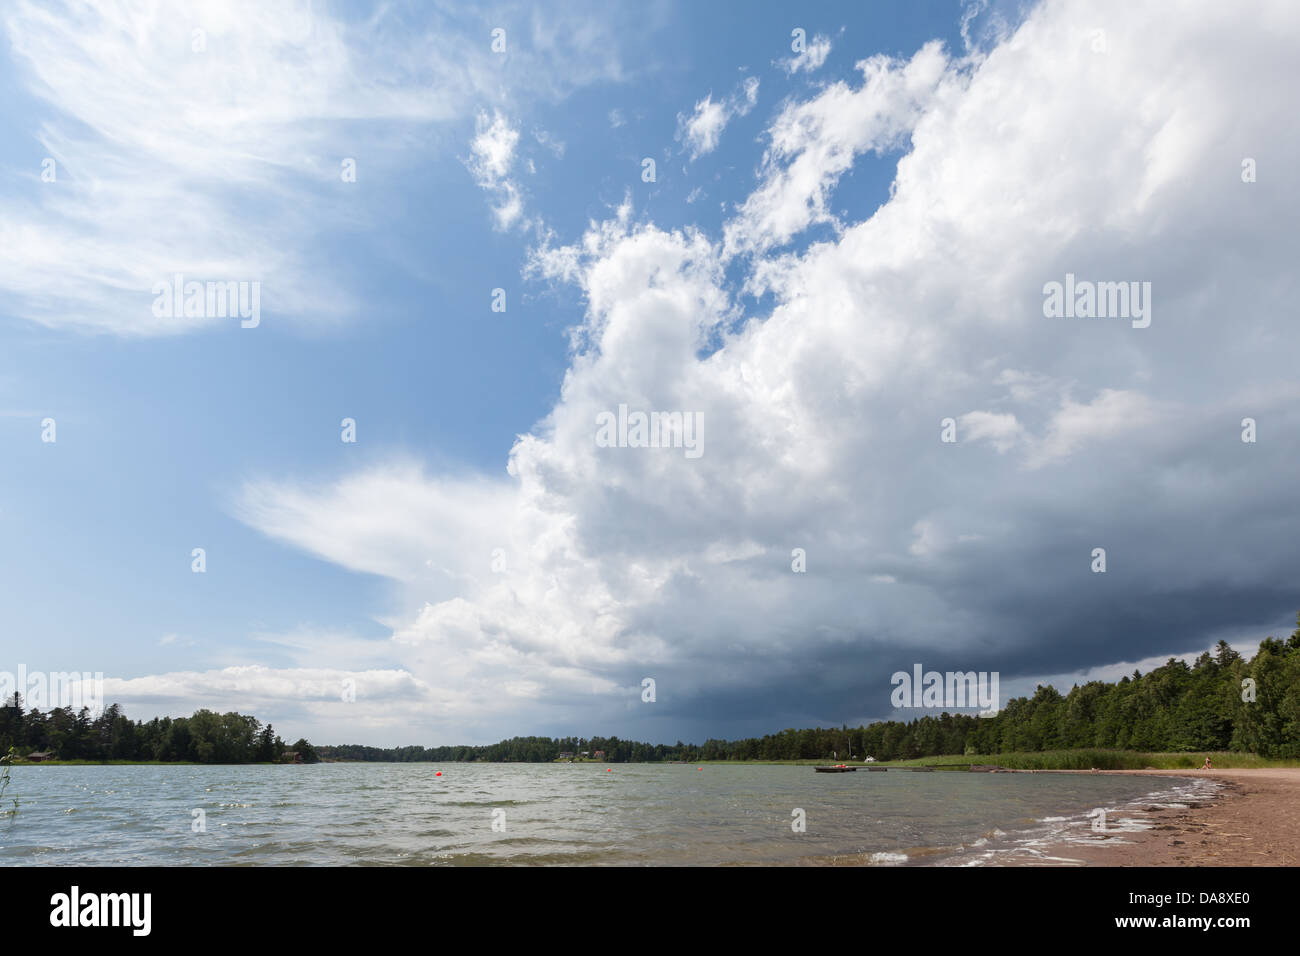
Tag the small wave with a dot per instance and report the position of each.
(886, 859)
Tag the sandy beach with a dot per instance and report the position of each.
(1253, 820)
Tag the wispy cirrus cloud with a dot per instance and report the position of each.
(208, 140)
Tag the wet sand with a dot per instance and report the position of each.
(1253, 820)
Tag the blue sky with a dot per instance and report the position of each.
(765, 280)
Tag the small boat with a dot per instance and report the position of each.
(839, 769)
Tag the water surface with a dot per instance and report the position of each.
(638, 814)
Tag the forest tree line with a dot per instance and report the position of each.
(205, 737)
(1220, 702)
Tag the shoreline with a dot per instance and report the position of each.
(1252, 818)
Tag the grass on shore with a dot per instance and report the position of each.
(1101, 759)
(1057, 760)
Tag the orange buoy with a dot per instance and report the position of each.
(438, 774)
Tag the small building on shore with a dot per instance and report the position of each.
(36, 756)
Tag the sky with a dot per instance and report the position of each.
(823, 235)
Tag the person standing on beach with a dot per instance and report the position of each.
(1206, 765)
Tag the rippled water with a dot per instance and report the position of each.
(638, 814)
